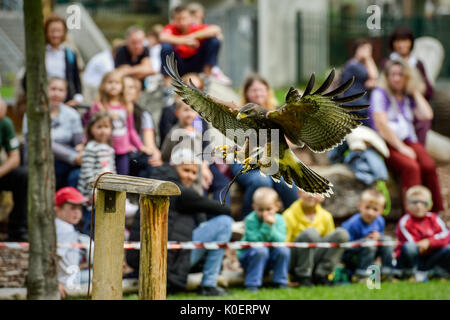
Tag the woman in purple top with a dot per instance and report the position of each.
(395, 106)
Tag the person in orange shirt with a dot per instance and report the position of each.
(196, 46)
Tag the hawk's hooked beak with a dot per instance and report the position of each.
(240, 116)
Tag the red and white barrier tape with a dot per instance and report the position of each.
(191, 245)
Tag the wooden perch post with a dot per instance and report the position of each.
(109, 235)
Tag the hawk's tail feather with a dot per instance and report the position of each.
(304, 178)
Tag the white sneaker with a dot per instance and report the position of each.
(218, 75)
(421, 276)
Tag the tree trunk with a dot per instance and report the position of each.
(42, 281)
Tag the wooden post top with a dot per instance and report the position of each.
(122, 183)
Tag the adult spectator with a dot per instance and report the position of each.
(395, 105)
(13, 178)
(133, 59)
(192, 217)
(363, 68)
(401, 42)
(196, 46)
(98, 66)
(154, 44)
(141, 163)
(257, 90)
(364, 149)
(66, 133)
(61, 61)
(197, 12)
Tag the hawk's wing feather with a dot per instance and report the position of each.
(220, 115)
(318, 120)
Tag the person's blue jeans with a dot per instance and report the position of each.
(257, 260)
(122, 164)
(368, 166)
(218, 229)
(363, 257)
(253, 180)
(410, 260)
(206, 55)
(66, 174)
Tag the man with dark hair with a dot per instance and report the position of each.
(196, 46)
(133, 58)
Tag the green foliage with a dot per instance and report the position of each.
(7, 92)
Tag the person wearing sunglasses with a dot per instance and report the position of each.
(423, 249)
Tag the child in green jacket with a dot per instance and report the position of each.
(264, 224)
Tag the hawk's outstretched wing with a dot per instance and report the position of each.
(221, 116)
(316, 119)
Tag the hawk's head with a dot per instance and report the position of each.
(251, 110)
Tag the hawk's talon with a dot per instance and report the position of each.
(223, 150)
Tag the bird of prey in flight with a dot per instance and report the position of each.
(316, 119)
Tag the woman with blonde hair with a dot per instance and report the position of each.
(395, 106)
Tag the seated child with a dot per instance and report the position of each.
(307, 221)
(368, 224)
(69, 201)
(423, 237)
(266, 225)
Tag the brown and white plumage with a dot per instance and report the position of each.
(318, 120)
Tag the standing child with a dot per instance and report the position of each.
(98, 157)
(423, 237)
(265, 224)
(124, 135)
(366, 225)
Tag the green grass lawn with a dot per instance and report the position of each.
(432, 290)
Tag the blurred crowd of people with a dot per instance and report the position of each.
(115, 133)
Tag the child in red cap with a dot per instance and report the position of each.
(69, 203)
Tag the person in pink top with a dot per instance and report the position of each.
(124, 135)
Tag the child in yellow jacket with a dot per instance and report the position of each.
(307, 221)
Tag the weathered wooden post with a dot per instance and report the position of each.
(109, 235)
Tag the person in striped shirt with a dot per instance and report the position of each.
(98, 157)
(423, 237)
